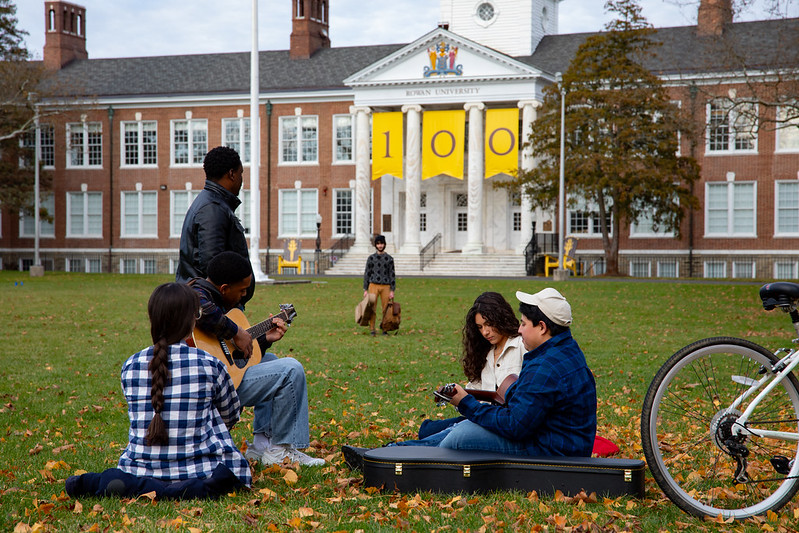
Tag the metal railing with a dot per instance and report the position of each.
(340, 246)
(428, 253)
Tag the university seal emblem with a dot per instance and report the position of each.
(442, 61)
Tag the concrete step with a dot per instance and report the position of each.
(445, 264)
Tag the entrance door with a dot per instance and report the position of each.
(460, 213)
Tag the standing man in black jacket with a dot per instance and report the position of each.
(210, 226)
(379, 279)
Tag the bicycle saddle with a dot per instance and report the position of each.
(779, 294)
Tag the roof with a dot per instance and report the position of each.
(755, 44)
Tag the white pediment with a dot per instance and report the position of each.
(442, 56)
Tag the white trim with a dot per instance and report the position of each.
(140, 195)
(730, 234)
(190, 141)
(140, 144)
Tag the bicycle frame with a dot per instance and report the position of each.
(790, 361)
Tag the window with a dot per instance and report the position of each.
(236, 135)
(786, 220)
(730, 209)
(715, 269)
(243, 211)
(786, 269)
(342, 139)
(138, 266)
(422, 221)
(180, 200)
(743, 269)
(343, 212)
(731, 127)
(139, 214)
(81, 264)
(84, 214)
(584, 220)
(788, 129)
(189, 141)
(516, 214)
(140, 143)
(668, 269)
(84, 144)
(640, 269)
(299, 139)
(645, 227)
(27, 220)
(47, 145)
(298, 209)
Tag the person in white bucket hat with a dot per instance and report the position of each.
(549, 411)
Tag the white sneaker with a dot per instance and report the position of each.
(276, 455)
(252, 454)
(296, 456)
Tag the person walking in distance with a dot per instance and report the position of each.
(379, 279)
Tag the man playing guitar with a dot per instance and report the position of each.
(275, 387)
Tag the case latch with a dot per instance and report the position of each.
(397, 469)
(467, 471)
(628, 475)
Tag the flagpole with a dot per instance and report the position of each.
(255, 154)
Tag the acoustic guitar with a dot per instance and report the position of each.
(228, 353)
(497, 397)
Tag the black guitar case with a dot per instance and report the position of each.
(420, 469)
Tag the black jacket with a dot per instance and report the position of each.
(210, 227)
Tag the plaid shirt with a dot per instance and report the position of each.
(551, 407)
(200, 406)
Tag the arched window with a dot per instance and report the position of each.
(51, 20)
(65, 21)
(300, 9)
(79, 25)
(324, 11)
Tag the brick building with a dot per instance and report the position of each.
(128, 161)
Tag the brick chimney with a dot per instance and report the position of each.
(65, 33)
(309, 27)
(713, 16)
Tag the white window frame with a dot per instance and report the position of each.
(86, 146)
(139, 265)
(663, 262)
(731, 187)
(783, 263)
(638, 263)
(140, 144)
(646, 232)
(46, 145)
(140, 215)
(714, 263)
(196, 148)
(337, 212)
(788, 130)
(84, 198)
(739, 264)
(176, 218)
(283, 232)
(46, 228)
(781, 196)
(243, 211)
(594, 229)
(298, 140)
(243, 143)
(86, 261)
(734, 132)
(336, 139)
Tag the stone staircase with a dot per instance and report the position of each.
(453, 264)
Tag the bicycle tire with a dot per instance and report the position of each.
(685, 431)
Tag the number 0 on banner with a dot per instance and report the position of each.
(443, 143)
(501, 142)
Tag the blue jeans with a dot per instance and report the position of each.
(467, 435)
(276, 388)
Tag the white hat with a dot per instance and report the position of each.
(551, 303)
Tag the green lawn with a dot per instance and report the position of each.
(66, 336)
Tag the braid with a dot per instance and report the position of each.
(156, 432)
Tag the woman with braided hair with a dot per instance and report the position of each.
(181, 406)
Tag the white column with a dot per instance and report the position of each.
(476, 166)
(413, 177)
(529, 114)
(363, 176)
(255, 154)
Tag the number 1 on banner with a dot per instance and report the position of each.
(387, 149)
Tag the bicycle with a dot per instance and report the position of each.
(720, 422)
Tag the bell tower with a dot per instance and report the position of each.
(65, 33)
(309, 27)
(514, 27)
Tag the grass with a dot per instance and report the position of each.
(62, 412)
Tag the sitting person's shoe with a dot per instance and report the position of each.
(353, 456)
(277, 454)
(373, 333)
(252, 454)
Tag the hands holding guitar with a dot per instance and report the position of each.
(243, 339)
(452, 393)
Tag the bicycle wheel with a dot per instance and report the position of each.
(686, 425)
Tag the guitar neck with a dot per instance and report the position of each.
(262, 328)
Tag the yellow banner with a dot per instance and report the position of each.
(387, 145)
(442, 143)
(502, 143)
